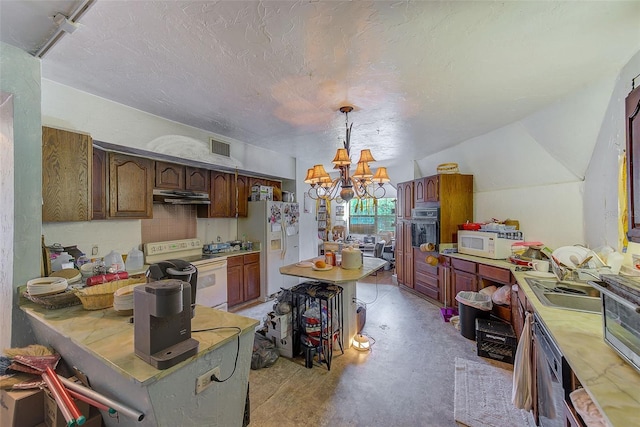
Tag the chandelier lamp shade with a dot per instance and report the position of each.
(362, 184)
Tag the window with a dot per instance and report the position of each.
(372, 216)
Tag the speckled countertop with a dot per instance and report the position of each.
(613, 384)
(109, 336)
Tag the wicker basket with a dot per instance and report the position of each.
(448, 168)
(101, 296)
(52, 302)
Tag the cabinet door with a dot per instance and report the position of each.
(431, 189)
(130, 186)
(407, 200)
(418, 191)
(444, 271)
(400, 200)
(240, 197)
(99, 184)
(220, 195)
(408, 256)
(196, 179)
(464, 281)
(632, 106)
(251, 281)
(169, 176)
(399, 255)
(67, 163)
(235, 280)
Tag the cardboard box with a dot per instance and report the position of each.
(21, 408)
(279, 326)
(52, 415)
(261, 192)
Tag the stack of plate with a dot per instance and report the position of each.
(123, 299)
(46, 286)
(70, 274)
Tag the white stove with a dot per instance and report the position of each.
(212, 269)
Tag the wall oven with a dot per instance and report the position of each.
(425, 226)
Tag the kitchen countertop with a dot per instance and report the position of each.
(336, 274)
(612, 383)
(109, 336)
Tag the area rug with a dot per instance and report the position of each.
(483, 397)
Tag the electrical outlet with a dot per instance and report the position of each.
(204, 380)
(94, 250)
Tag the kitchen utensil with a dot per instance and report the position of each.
(585, 261)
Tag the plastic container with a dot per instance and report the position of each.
(113, 261)
(134, 260)
(63, 258)
(472, 306)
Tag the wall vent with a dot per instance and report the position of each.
(219, 147)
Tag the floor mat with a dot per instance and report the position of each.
(483, 397)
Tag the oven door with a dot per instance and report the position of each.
(424, 231)
(212, 283)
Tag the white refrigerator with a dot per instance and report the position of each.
(275, 225)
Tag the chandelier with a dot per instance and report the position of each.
(362, 184)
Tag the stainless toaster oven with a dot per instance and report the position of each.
(620, 297)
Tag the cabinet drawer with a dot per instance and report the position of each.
(251, 258)
(427, 285)
(497, 274)
(460, 264)
(234, 261)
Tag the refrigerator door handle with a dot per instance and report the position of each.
(283, 236)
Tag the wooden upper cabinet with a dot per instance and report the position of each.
(196, 179)
(170, 176)
(67, 163)
(632, 117)
(418, 191)
(407, 200)
(431, 189)
(220, 194)
(240, 197)
(399, 199)
(130, 186)
(99, 184)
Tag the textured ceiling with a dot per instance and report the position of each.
(422, 76)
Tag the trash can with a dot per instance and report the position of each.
(471, 306)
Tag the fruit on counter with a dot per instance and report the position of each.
(320, 264)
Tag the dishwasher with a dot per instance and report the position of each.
(550, 370)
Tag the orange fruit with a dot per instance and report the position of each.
(321, 264)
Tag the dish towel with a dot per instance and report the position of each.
(521, 394)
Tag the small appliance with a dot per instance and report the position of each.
(620, 297)
(487, 244)
(176, 269)
(162, 323)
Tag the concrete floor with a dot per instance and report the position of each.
(407, 379)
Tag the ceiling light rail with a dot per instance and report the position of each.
(64, 25)
(362, 184)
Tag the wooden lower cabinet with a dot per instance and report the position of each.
(463, 276)
(426, 279)
(243, 278)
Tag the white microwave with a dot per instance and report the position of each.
(485, 244)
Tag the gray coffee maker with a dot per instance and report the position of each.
(162, 323)
(176, 269)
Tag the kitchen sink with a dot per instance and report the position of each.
(566, 295)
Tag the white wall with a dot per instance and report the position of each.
(21, 77)
(534, 170)
(6, 216)
(107, 121)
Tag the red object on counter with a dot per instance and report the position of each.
(104, 278)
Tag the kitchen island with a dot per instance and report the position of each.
(612, 384)
(100, 344)
(344, 278)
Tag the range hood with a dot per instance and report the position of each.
(179, 197)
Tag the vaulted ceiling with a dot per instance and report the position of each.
(421, 75)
